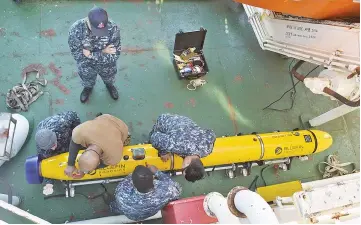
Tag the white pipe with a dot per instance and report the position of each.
(254, 207)
(216, 205)
(313, 51)
(22, 213)
(277, 161)
(314, 60)
(268, 162)
(254, 26)
(334, 180)
(286, 50)
(15, 199)
(307, 54)
(331, 115)
(294, 55)
(106, 181)
(121, 219)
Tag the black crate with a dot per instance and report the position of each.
(185, 40)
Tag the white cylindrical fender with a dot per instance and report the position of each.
(257, 210)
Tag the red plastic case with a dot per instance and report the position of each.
(187, 211)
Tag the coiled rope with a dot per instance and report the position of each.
(334, 168)
(22, 95)
(193, 84)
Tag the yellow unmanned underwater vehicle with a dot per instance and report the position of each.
(229, 153)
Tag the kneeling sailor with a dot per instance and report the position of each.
(143, 193)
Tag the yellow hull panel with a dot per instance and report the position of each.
(270, 193)
(227, 150)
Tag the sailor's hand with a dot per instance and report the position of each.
(127, 141)
(78, 174)
(152, 168)
(165, 157)
(69, 170)
(110, 49)
(87, 53)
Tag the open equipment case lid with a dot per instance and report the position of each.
(185, 40)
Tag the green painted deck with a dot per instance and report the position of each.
(242, 80)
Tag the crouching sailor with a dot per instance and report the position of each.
(53, 134)
(103, 140)
(143, 193)
(181, 136)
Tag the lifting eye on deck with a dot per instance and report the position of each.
(138, 153)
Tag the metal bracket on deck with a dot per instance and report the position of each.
(70, 185)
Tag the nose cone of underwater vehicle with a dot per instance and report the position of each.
(324, 140)
(32, 170)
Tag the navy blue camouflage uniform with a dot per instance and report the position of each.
(80, 38)
(62, 125)
(182, 136)
(138, 206)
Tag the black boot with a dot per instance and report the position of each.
(113, 91)
(84, 96)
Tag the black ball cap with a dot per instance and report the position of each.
(142, 179)
(98, 19)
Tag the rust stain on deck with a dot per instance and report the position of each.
(48, 33)
(34, 67)
(56, 82)
(168, 105)
(232, 115)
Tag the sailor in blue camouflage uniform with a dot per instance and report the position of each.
(143, 193)
(94, 42)
(53, 134)
(175, 134)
